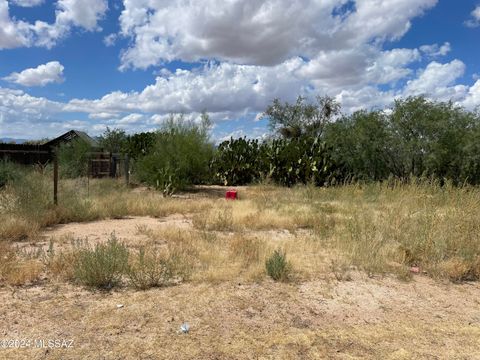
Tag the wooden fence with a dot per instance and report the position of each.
(103, 165)
(100, 165)
(26, 154)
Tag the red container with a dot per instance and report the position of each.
(231, 195)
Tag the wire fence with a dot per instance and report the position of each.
(100, 165)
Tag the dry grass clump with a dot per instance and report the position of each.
(24, 273)
(181, 251)
(125, 203)
(380, 228)
(16, 271)
(219, 218)
(246, 215)
(61, 266)
(13, 228)
(205, 256)
(250, 249)
(436, 229)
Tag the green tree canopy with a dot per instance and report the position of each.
(114, 140)
(301, 118)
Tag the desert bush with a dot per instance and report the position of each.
(278, 268)
(9, 172)
(303, 117)
(180, 156)
(33, 196)
(73, 158)
(103, 266)
(150, 268)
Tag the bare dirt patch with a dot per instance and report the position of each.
(131, 230)
(128, 229)
(365, 318)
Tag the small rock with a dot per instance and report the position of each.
(119, 306)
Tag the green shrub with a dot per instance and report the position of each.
(278, 268)
(9, 172)
(140, 144)
(180, 156)
(150, 269)
(34, 201)
(113, 140)
(73, 159)
(104, 266)
(33, 196)
(236, 162)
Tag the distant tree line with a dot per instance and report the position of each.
(313, 142)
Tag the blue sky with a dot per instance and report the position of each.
(88, 64)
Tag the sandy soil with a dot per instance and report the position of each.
(375, 318)
(130, 230)
(359, 319)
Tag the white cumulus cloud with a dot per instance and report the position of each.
(69, 13)
(27, 3)
(215, 87)
(21, 111)
(245, 54)
(435, 50)
(51, 72)
(13, 33)
(437, 81)
(230, 91)
(257, 32)
(82, 13)
(110, 39)
(474, 21)
(472, 100)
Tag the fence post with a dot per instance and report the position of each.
(127, 169)
(55, 180)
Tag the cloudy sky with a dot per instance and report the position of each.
(88, 64)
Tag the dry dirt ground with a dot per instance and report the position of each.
(373, 318)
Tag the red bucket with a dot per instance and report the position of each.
(231, 195)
